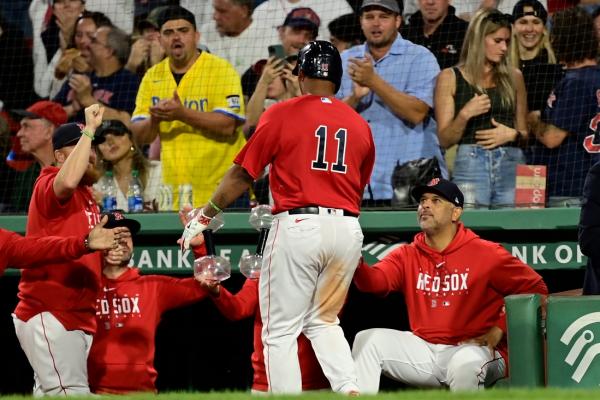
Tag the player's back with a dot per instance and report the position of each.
(324, 154)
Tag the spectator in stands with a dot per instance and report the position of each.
(531, 52)
(482, 106)
(128, 310)
(76, 59)
(569, 125)
(16, 68)
(193, 100)
(234, 35)
(146, 51)
(589, 230)
(53, 28)
(120, 154)
(345, 32)
(270, 13)
(465, 9)
(596, 18)
(300, 26)
(390, 81)
(436, 27)
(454, 284)
(109, 83)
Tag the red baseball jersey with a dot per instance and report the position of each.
(245, 304)
(128, 310)
(26, 252)
(66, 289)
(321, 153)
(455, 294)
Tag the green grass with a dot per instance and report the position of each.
(494, 394)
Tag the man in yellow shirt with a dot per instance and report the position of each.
(193, 100)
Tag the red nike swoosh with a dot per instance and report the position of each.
(299, 220)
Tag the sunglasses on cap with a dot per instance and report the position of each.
(499, 18)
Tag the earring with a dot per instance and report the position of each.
(132, 149)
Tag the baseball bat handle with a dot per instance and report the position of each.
(209, 242)
(262, 240)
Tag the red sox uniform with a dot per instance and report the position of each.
(27, 252)
(54, 319)
(244, 304)
(128, 311)
(321, 154)
(452, 296)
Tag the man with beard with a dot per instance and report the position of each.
(390, 82)
(55, 317)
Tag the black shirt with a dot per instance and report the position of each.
(445, 43)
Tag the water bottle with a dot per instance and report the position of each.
(135, 200)
(109, 193)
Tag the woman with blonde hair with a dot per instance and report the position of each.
(481, 105)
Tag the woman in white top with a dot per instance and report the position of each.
(119, 154)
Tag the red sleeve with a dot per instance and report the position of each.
(25, 252)
(177, 292)
(241, 305)
(46, 201)
(367, 166)
(511, 276)
(260, 150)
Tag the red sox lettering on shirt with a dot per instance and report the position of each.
(455, 294)
(320, 150)
(68, 289)
(128, 310)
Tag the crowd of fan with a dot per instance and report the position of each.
(422, 74)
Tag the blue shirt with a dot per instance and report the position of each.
(411, 69)
(573, 106)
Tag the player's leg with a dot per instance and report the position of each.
(58, 357)
(398, 355)
(286, 286)
(472, 367)
(342, 243)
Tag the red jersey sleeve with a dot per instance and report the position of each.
(241, 305)
(260, 150)
(47, 203)
(177, 292)
(24, 252)
(367, 167)
(511, 276)
(382, 278)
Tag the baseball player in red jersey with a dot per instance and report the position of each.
(454, 284)
(30, 252)
(244, 304)
(54, 319)
(321, 154)
(129, 308)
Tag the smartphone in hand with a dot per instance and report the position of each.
(276, 51)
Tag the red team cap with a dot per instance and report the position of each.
(448, 190)
(48, 110)
(303, 17)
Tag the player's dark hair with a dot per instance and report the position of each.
(573, 38)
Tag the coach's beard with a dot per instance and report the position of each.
(91, 176)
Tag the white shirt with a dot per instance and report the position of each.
(272, 13)
(241, 51)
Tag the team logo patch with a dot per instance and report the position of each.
(233, 101)
(433, 182)
(326, 100)
(118, 215)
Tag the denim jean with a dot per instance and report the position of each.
(487, 177)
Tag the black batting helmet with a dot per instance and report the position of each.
(321, 60)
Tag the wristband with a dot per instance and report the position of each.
(213, 205)
(87, 133)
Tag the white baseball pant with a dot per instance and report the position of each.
(308, 265)
(58, 356)
(406, 357)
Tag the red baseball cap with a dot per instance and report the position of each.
(49, 110)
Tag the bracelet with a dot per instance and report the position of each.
(87, 133)
(213, 205)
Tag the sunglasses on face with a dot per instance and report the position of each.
(499, 18)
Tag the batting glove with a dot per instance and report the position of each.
(193, 228)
